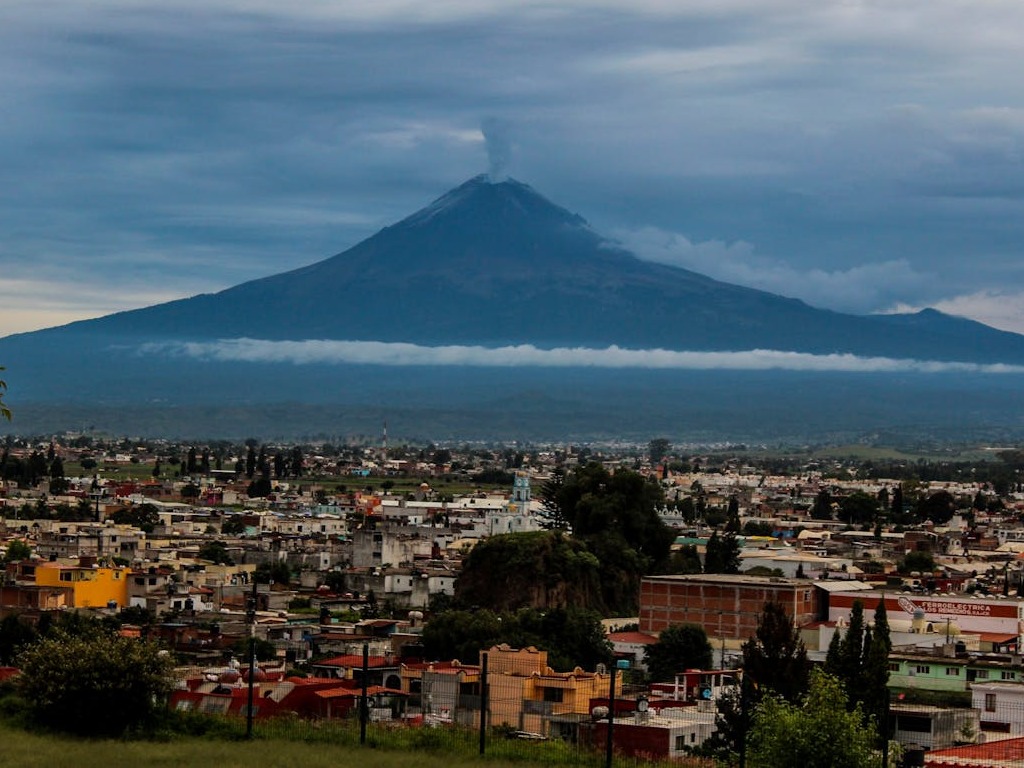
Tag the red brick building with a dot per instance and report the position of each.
(726, 605)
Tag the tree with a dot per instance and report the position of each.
(875, 671)
(5, 412)
(858, 508)
(15, 635)
(922, 562)
(851, 647)
(685, 560)
(97, 683)
(260, 487)
(17, 550)
(896, 503)
(722, 554)
(276, 572)
(552, 514)
(679, 647)
(774, 664)
(233, 525)
(939, 507)
(145, 517)
(215, 552)
(265, 650)
(775, 657)
(461, 634)
(819, 732)
(657, 449)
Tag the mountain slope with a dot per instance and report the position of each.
(497, 264)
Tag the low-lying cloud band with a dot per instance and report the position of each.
(325, 351)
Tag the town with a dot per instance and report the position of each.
(369, 569)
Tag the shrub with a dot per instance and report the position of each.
(97, 683)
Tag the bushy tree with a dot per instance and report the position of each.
(722, 554)
(858, 508)
(145, 517)
(572, 637)
(17, 550)
(679, 647)
(819, 732)
(939, 507)
(96, 683)
(216, 552)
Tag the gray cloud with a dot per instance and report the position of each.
(861, 289)
(864, 161)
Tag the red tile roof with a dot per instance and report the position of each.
(355, 660)
(1007, 752)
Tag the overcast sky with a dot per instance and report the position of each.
(862, 156)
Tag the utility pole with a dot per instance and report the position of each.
(250, 615)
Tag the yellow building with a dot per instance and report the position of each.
(92, 586)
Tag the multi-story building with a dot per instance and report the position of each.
(726, 605)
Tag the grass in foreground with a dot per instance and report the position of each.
(21, 749)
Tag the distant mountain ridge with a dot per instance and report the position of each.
(497, 264)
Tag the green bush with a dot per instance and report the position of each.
(95, 684)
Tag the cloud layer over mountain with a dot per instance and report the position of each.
(315, 351)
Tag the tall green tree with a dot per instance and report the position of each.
(875, 673)
(774, 664)
(679, 647)
(775, 658)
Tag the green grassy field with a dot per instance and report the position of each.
(19, 749)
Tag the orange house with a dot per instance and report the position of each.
(92, 586)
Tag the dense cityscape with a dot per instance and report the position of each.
(566, 561)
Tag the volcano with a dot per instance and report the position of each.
(488, 265)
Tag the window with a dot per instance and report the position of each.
(680, 742)
(66, 576)
(923, 669)
(894, 666)
(1008, 675)
(953, 671)
(981, 674)
(554, 694)
(990, 702)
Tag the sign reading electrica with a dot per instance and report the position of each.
(971, 615)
